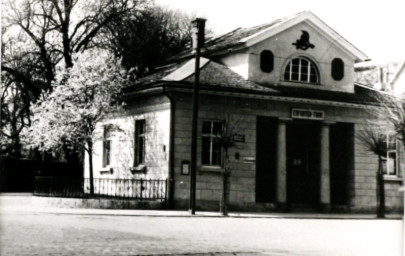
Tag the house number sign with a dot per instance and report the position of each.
(299, 113)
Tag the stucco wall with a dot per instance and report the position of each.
(247, 62)
(322, 54)
(156, 112)
(364, 186)
(237, 62)
(361, 184)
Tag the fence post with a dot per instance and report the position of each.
(166, 189)
(141, 188)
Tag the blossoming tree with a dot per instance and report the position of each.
(81, 98)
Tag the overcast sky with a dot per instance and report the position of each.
(375, 27)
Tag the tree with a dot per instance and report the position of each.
(227, 140)
(374, 140)
(147, 38)
(39, 36)
(390, 112)
(81, 98)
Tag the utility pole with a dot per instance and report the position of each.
(198, 26)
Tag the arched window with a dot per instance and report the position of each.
(338, 69)
(266, 61)
(303, 70)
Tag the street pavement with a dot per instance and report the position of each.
(30, 230)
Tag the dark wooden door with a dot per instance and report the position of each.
(266, 152)
(303, 163)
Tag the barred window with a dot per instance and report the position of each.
(303, 70)
(211, 148)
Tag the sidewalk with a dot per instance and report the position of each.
(23, 203)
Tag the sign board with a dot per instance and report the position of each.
(309, 114)
(185, 167)
(239, 138)
(249, 159)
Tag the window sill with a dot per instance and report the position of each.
(107, 170)
(392, 178)
(213, 169)
(300, 84)
(138, 169)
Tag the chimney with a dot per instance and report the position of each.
(384, 80)
(198, 33)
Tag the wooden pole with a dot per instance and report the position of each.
(198, 34)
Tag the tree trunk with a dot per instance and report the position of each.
(381, 189)
(225, 187)
(90, 152)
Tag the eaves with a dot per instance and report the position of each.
(165, 86)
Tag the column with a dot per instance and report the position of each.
(281, 192)
(325, 168)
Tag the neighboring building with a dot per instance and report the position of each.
(290, 83)
(380, 76)
(398, 81)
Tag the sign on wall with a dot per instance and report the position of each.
(239, 138)
(185, 167)
(308, 114)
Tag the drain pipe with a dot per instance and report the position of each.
(171, 151)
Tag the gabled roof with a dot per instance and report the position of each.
(217, 77)
(244, 37)
(212, 75)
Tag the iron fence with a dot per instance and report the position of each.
(139, 189)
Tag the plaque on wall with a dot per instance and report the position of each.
(308, 114)
(239, 138)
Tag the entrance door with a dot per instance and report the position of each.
(266, 159)
(303, 163)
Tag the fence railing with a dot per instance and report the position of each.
(140, 189)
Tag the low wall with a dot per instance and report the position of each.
(98, 203)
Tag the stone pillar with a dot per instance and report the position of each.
(325, 168)
(281, 192)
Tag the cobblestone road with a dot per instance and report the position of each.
(34, 233)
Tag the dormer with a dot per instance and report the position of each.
(297, 51)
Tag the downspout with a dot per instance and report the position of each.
(171, 151)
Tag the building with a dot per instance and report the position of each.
(290, 86)
(397, 83)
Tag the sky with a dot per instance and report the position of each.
(377, 28)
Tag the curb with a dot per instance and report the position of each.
(30, 204)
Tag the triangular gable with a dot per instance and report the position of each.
(311, 19)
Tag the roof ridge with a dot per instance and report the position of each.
(235, 36)
(217, 38)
